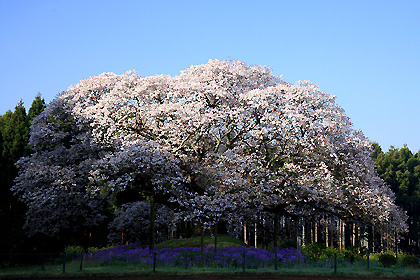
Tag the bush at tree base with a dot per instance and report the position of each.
(319, 252)
(314, 250)
(411, 261)
(387, 260)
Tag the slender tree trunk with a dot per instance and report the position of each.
(303, 239)
(202, 240)
(312, 232)
(276, 229)
(255, 235)
(215, 238)
(353, 243)
(347, 234)
(122, 236)
(340, 235)
(370, 238)
(202, 246)
(326, 235)
(152, 222)
(245, 235)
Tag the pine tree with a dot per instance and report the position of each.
(14, 138)
(15, 134)
(38, 105)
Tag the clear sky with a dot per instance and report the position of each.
(367, 53)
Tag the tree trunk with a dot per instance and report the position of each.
(152, 222)
(276, 230)
(215, 238)
(371, 237)
(303, 239)
(353, 243)
(340, 235)
(202, 240)
(245, 235)
(255, 235)
(326, 235)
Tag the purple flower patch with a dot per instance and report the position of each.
(227, 257)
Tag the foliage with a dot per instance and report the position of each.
(314, 250)
(73, 252)
(223, 240)
(37, 107)
(246, 139)
(410, 261)
(14, 133)
(387, 260)
(353, 254)
(319, 252)
(132, 223)
(287, 243)
(53, 181)
(222, 141)
(400, 169)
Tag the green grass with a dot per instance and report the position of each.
(92, 270)
(95, 270)
(223, 240)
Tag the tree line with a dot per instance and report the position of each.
(400, 169)
(14, 144)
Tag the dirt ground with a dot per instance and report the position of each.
(252, 277)
(232, 277)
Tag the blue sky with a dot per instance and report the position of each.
(367, 53)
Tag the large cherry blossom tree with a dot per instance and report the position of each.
(224, 137)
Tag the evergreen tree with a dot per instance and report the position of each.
(400, 168)
(38, 105)
(14, 138)
(15, 134)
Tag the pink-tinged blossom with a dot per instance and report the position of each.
(222, 138)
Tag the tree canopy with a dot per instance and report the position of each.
(215, 141)
(400, 169)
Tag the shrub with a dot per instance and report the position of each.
(387, 260)
(412, 261)
(349, 256)
(313, 250)
(94, 249)
(329, 253)
(352, 254)
(73, 252)
(286, 244)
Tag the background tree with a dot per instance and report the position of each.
(14, 134)
(37, 107)
(400, 169)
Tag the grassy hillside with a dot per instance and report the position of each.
(223, 240)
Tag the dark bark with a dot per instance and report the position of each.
(152, 222)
